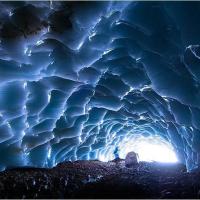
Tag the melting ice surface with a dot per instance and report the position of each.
(79, 79)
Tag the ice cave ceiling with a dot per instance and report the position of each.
(77, 78)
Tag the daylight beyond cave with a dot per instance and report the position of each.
(78, 78)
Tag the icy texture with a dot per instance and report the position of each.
(78, 77)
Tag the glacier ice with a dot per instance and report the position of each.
(77, 78)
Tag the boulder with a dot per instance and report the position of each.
(131, 159)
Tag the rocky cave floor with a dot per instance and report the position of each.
(95, 179)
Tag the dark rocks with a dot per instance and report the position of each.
(95, 179)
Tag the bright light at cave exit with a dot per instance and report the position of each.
(149, 149)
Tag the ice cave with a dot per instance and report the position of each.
(82, 82)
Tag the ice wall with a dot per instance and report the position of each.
(76, 78)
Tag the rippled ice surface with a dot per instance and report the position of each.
(78, 78)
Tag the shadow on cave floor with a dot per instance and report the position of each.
(95, 179)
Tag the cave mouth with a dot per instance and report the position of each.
(149, 149)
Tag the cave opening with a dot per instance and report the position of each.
(149, 149)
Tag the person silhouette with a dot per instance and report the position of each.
(116, 152)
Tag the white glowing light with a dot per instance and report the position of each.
(49, 97)
(23, 133)
(92, 35)
(125, 94)
(24, 107)
(131, 89)
(27, 124)
(142, 117)
(165, 98)
(27, 51)
(145, 87)
(80, 45)
(25, 85)
(8, 124)
(39, 42)
(80, 139)
(192, 48)
(51, 4)
(10, 13)
(29, 54)
(118, 23)
(106, 154)
(148, 149)
(49, 153)
(107, 51)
